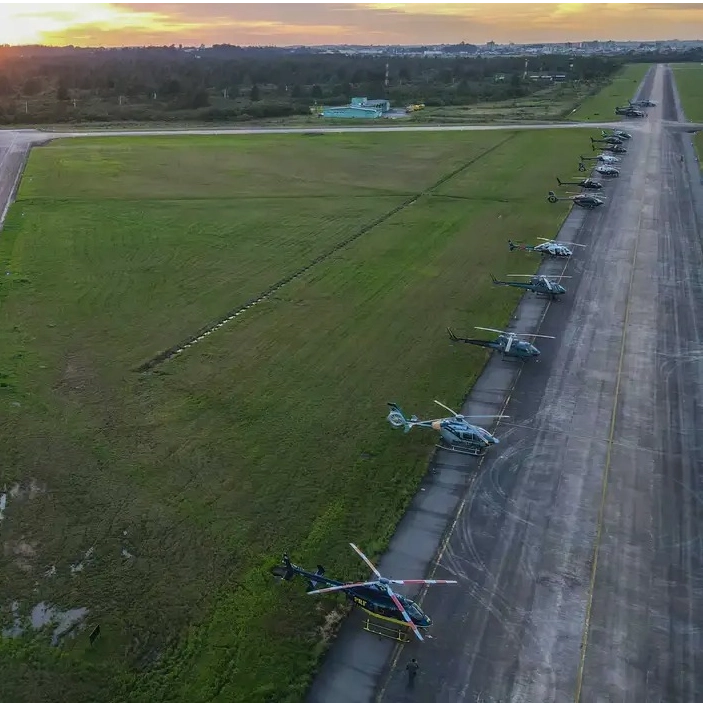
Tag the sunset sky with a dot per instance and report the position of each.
(111, 24)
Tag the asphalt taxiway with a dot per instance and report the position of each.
(579, 542)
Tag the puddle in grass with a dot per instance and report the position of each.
(43, 614)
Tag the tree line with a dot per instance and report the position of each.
(53, 85)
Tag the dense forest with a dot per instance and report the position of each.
(43, 85)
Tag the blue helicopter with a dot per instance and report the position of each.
(507, 344)
(457, 434)
(538, 284)
(585, 200)
(609, 139)
(609, 146)
(375, 597)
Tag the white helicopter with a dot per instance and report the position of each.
(603, 170)
(549, 248)
(603, 158)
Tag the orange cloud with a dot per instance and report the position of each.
(106, 24)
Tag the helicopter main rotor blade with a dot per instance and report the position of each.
(527, 334)
(572, 244)
(366, 560)
(475, 416)
(343, 587)
(535, 275)
(490, 329)
(456, 414)
(427, 581)
(406, 617)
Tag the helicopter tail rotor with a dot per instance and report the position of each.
(285, 571)
(397, 419)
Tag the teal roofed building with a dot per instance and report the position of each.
(359, 108)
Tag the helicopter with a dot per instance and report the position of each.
(609, 139)
(507, 344)
(587, 183)
(376, 597)
(642, 103)
(603, 158)
(629, 111)
(613, 148)
(580, 199)
(538, 284)
(617, 133)
(458, 434)
(549, 248)
(603, 170)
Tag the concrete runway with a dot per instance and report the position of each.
(579, 543)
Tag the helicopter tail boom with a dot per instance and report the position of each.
(477, 342)
(521, 247)
(289, 571)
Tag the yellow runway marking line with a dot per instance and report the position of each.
(606, 473)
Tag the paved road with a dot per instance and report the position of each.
(579, 543)
(344, 130)
(14, 149)
(627, 124)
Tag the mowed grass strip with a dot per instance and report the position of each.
(240, 166)
(137, 263)
(269, 435)
(689, 82)
(601, 106)
(96, 274)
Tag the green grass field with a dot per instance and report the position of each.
(689, 81)
(185, 485)
(601, 106)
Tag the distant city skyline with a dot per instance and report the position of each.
(124, 24)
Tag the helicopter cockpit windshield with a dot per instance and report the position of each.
(413, 611)
(483, 434)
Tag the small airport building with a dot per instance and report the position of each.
(359, 108)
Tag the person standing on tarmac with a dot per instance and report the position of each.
(412, 668)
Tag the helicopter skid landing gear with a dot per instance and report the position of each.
(468, 450)
(393, 633)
